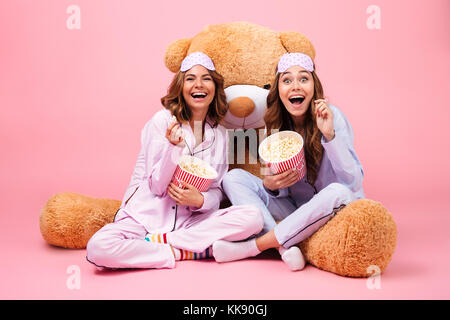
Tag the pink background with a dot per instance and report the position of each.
(73, 103)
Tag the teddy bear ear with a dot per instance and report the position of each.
(296, 42)
(175, 53)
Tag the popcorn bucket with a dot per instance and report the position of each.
(277, 166)
(186, 172)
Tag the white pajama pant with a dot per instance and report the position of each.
(121, 244)
(296, 224)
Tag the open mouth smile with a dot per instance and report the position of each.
(297, 100)
(199, 96)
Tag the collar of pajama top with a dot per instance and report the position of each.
(146, 198)
(208, 138)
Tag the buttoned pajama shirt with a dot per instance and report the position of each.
(147, 208)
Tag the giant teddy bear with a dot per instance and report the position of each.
(360, 236)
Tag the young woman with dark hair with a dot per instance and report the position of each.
(293, 210)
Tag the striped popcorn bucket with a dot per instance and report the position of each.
(296, 161)
(201, 183)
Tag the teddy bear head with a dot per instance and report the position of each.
(246, 55)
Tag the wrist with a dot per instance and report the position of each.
(268, 188)
(265, 185)
(201, 200)
(329, 136)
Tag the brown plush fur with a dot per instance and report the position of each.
(69, 220)
(362, 234)
(243, 53)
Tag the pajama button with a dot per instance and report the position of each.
(173, 207)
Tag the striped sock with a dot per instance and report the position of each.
(181, 254)
(156, 237)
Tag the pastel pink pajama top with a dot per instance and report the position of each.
(146, 199)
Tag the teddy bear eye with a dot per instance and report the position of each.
(266, 86)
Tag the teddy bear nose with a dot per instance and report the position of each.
(241, 107)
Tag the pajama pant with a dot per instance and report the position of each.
(121, 244)
(296, 224)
